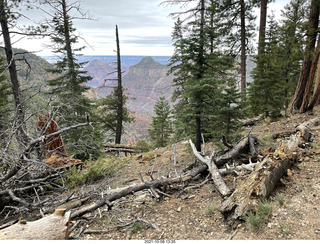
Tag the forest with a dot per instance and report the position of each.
(62, 161)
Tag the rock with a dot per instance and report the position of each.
(179, 209)
(269, 225)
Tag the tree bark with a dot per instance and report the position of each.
(316, 94)
(52, 227)
(262, 28)
(313, 23)
(266, 175)
(120, 93)
(21, 134)
(243, 50)
(307, 93)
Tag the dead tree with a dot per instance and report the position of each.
(262, 181)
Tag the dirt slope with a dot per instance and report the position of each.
(193, 213)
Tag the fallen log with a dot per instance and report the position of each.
(266, 175)
(107, 200)
(52, 227)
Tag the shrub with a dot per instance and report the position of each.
(254, 220)
(142, 146)
(280, 199)
(285, 229)
(264, 209)
(96, 170)
(210, 209)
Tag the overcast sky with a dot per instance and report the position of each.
(144, 27)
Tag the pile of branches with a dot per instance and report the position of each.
(262, 173)
(29, 172)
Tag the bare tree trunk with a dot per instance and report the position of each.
(119, 91)
(262, 28)
(21, 134)
(313, 23)
(243, 50)
(199, 76)
(307, 93)
(66, 26)
(316, 93)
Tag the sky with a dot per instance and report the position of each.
(144, 27)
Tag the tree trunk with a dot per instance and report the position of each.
(243, 50)
(307, 93)
(316, 92)
(119, 91)
(66, 26)
(52, 227)
(313, 23)
(262, 28)
(199, 76)
(266, 175)
(21, 134)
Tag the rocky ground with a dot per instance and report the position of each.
(192, 213)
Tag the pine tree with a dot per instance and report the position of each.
(291, 42)
(161, 123)
(70, 86)
(202, 73)
(266, 90)
(108, 113)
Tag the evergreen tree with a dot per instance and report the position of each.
(108, 113)
(292, 32)
(161, 123)
(202, 73)
(70, 86)
(266, 90)
(278, 67)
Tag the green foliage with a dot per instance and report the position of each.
(207, 100)
(69, 86)
(280, 199)
(285, 229)
(161, 123)
(278, 66)
(210, 209)
(264, 209)
(107, 111)
(141, 146)
(254, 220)
(136, 227)
(96, 170)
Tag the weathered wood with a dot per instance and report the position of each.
(119, 193)
(213, 169)
(52, 227)
(264, 178)
(232, 153)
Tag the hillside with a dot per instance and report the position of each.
(193, 214)
(190, 210)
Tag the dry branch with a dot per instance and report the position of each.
(139, 187)
(216, 177)
(266, 175)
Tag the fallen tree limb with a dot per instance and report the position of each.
(52, 227)
(232, 153)
(213, 169)
(139, 187)
(266, 175)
